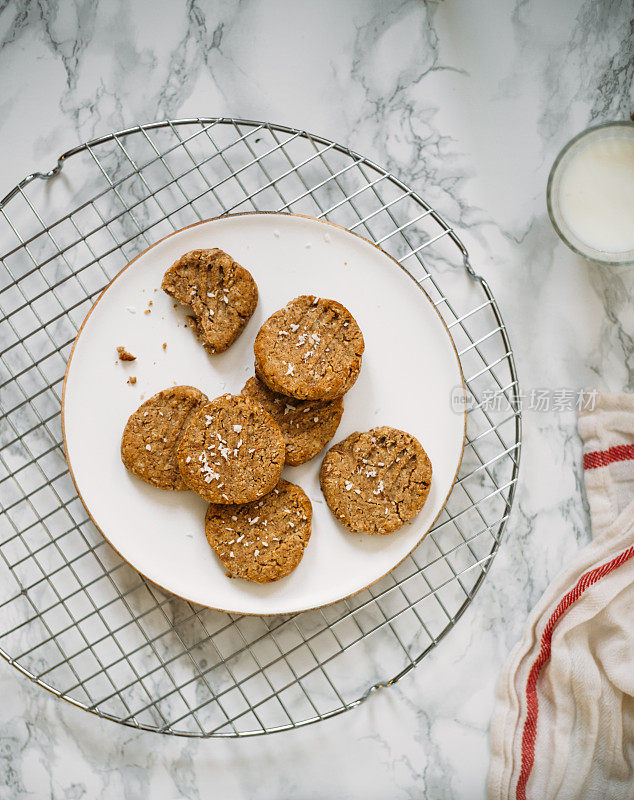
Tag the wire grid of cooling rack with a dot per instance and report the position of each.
(81, 622)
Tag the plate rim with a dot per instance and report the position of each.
(262, 214)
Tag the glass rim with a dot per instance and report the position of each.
(623, 257)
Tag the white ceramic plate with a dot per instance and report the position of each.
(410, 369)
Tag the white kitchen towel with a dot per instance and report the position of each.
(563, 725)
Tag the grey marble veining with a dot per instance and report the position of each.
(467, 102)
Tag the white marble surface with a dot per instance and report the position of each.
(467, 101)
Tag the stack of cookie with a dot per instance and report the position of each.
(231, 450)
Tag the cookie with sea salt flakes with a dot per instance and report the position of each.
(153, 433)
(307, 425)
(375, 482)
(311, 349)
(222, 294)
(261, 541)
(232, 452)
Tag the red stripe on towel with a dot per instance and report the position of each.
(529, 734)
(601, 458)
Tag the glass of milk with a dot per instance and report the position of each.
(590, 193)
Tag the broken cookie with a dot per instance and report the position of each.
(221, 293)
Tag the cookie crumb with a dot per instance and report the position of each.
(131, 380)
(164, 345)
(124, 355)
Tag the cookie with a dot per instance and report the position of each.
(375, 482)
(232, 452)
(222, 294)
(153, 433)
(261, 541)
(307, 425)
(311, 349)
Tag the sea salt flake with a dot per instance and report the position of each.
(237, 428)
(290, 369)
(130, 309)
(188, 459)
(294, 327)
(147, 447)
(349, 485)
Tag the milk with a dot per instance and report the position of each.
(596, 193)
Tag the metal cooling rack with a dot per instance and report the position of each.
(82, 623)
